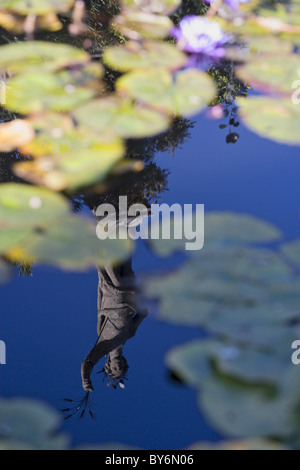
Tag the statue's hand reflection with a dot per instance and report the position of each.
(86, 370)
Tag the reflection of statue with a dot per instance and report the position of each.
(118, 321)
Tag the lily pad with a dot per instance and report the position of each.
(74, 169)
(191, 362)
(39, 55)
(123, 117)
(31, 423)
(73, 244)
(245, 444)
(246, 412)
(148, 55)
(154, 6)
(30, 92)
(292, 251)
(269, 73)
(275, 119)
(137, 24)
(190, 93)
(239, 228)
(23, 206)
(37, 7)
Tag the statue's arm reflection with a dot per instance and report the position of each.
(118, 321)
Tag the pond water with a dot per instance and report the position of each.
(48, 321)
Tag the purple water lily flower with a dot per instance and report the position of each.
(233, 4)
(200, 35)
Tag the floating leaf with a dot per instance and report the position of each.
(245, 412)
(37, 7)
(270, 45)
(73, 244)
(246, 445)
(39, 55)
(137, 24)
(31, 423)
(147, 55)
(125, 118)
(252, 366)
(239, 228)
(154, 6)
(12, 237)
(276, 119)
(72, 170)
(23, 206)
(269, 73)
(292, 251)
(31, 92)
(191, 361)
(190, 93)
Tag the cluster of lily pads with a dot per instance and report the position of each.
(242, 291)
(71, 127)
(27, 424)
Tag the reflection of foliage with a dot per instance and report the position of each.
(190, 7)
(147, 185)
(229, 87)
(246, 298)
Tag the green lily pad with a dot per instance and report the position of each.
(252, 366)
(39, 55)
(11, 444)
(269, 73)
(190, 93)
(23, 206)
(245, 412)
(292, 251)
(72, 244)
(238, 228)
(154, 6)
(220, 228)
(56, 134)
(245, 444)
(191, 361)
(31, 423)
(275, 119)
(224, 279)
(137, 24)
(148, 55)
(30, 92)
(258, 325)
(124, 118)
(270, 45)
(12, 237)
(37, 7)
(74, 169)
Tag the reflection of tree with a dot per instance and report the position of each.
(144, 186)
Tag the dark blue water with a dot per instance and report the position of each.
(49, 321)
